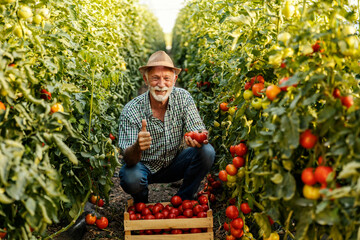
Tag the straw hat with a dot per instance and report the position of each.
(160, 58)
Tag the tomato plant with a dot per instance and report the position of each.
(64, 80)
(309, 49)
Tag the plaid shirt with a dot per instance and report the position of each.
(181, 116)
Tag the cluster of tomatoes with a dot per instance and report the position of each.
(200, 137)
(209, 188)
(176, 210)
(235, 225)
(91, 219)
(235, 169)
(311, 176)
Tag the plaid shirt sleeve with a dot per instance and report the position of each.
(193, 121)
(128, 132)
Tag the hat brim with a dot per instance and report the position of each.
(159, 64)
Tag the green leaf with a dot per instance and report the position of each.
(30, 205)
(326, 113)
(263, 223)
(327, 217)
(303, 225)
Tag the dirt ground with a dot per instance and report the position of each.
(114, 211)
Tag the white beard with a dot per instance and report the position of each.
(160, 98)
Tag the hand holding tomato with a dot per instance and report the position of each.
(196, 139)
(144, 138)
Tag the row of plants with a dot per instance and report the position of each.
(277, 85)
(66, 70)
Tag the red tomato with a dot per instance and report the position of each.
(272, 91)
(347, 101)
(241, 149)
(212, 198)
(245, 208)
(257, 89)
(322, 172)
(131, 208)
(237, 233)
(157, 209)
(230, 237)
(238, 162)
(132, 216)
(232, 201)
(247, 85)
(316, 47)
(176, 231)
(90, 219)
(166, 213)
(205, 207)
(203, 199)
(149, 216)
(187, 204)
(176, 201)
(223, 175)
(139, 207)
(200, 137)
(271, 220)
(308, 176)
(216, 184)
(210, 178)
(283, 80)
(307, 139)
(148, 232)
(159, 215)
(172, 216)
(231, 169)
(195, 230)
(112, 137)
(226, 226)
(197, 209)
(145, 211)
(45, 94)
(202, 215)
(93, 199)
(237, 223)
(256, 79)
(175, 211)
(336, 93)
(102, 222)
(232, 212)
(188, 213)
(320, 160)
(3, 234)
(194, 203)
(100, 203)
(224, 107)
(232, 150)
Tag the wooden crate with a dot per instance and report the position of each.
(133, 225)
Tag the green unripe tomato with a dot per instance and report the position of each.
(37, 19)
(25, 12)
(256, 103)
(248, 94)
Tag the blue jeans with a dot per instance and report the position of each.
(192, 164)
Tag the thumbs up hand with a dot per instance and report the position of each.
(144, 138)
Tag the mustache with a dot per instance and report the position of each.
(159, 88)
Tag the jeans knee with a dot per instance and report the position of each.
(207, 155)
(132, 180)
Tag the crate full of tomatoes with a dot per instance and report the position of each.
(177, 219)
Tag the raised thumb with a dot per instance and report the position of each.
(143, 125)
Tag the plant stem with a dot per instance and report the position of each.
(91, 101)
(287, 225)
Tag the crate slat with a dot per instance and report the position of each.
(190, 236)
(130, 225)
(181, 223)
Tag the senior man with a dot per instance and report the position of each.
(151, 133)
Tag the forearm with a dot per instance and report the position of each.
(132, 154)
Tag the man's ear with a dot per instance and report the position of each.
(145, 80)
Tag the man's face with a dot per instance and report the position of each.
(161, 81)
